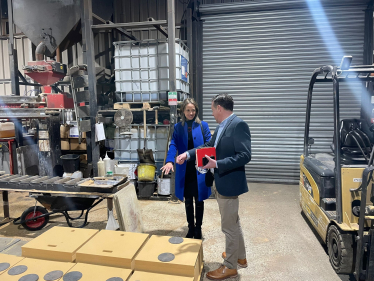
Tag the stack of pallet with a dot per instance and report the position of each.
(84, 254)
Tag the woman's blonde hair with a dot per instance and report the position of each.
(183, 107)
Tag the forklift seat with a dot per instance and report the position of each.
(321, 168)
(356, 141)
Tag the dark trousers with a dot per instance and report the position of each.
(191, 192)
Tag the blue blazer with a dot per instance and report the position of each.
(233, 151)
(179, 144)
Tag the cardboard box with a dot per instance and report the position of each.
(65, 144)
(83, 158)
(149, 276)
(12, 260)
(43, 135)
(58, 244)
(38, 267)
(75, 145)
(64, 131)
(112, 248)
(44, 145)
(187, 260)
(74, 132)
(92, 272)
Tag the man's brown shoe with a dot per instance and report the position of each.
(241, 262)
(222, 273)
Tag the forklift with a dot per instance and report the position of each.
(336, 189)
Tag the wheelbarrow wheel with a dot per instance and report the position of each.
(33, 212)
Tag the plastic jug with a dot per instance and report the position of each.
(101, 168)
(108, 164)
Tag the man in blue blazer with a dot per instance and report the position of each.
(232, 140)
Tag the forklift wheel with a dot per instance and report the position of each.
(340, 249)
(34, 224)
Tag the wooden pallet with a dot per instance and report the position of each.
(144, 106)
(135, 106)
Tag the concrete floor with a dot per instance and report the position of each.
(280, 243)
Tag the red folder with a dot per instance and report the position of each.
(200, 155)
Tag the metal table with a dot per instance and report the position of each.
(56, 187)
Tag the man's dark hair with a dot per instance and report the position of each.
(224, 100)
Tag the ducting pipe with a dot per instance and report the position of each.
(40, 51)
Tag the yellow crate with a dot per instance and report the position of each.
(92, 272)
(12, 260)
(112, 248)
(38, 267)
(58, 244)
(188, 257)
(149, 276)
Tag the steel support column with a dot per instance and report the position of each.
(172, 77)
(337, 144)
(198, 59)
(366, 105)
(92, 146)
(191, 49)
(368, 39)
(13, 61)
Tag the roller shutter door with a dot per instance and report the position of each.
(263, 55)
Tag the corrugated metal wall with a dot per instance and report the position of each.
(141, 10)
(265, 59)
(103, 51)
(125, 11)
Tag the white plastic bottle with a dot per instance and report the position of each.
(101, 168)
(108, 164)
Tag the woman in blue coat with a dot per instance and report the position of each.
(189, 183)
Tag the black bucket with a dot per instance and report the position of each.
(70, 162)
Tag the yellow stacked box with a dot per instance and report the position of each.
(149, 276)
(58, 244)
(112, 248)
(34, 269)
(171, 255)
(7, 261)
(90, 272)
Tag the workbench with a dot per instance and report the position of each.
(57, 187)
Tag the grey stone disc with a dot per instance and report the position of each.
(73, 276)
(19, 269)
(115, 279)
(166, 257)
(4, 265)
(29, 277)
(53, 275)
(176, 240)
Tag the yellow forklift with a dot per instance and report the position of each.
(336, 189)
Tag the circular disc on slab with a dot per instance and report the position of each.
(4, 265)
(176, 240)
(166, 257)
(29, 277)
(53, 275)
(73, 276)
(115, 279)
(19, 269)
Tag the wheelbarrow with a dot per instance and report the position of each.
(35, 218)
